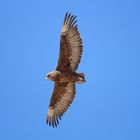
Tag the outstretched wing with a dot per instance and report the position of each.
(61, 99)
(70, 45)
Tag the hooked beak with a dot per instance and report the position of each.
(47, 78)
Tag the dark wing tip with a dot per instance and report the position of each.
(66, 16)
(53, 120)
(70, 19)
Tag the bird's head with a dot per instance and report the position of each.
(53, 75)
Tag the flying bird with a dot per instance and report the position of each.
(65, 75)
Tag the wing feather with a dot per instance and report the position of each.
(61, 99)
(70, 45)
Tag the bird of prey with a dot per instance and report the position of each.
(65, 76)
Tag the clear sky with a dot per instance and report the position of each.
(107, 106)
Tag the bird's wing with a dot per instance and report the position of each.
(61, 99)
(70, 45)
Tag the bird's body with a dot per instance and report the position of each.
(65, 75)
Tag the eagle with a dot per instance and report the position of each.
(65, 76)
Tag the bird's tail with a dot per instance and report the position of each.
(81, 78)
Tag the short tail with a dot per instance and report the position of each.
(81, 78)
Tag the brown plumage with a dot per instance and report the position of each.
(65, 76)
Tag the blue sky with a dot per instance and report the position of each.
(107, 106)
